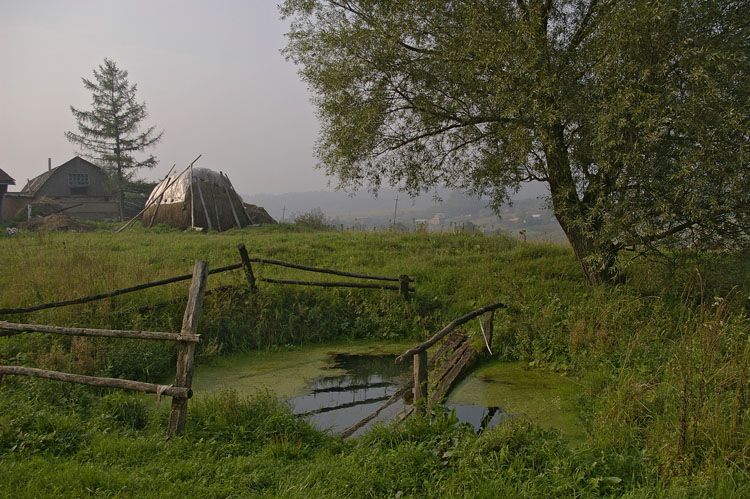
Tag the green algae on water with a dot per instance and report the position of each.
(287, 373)
(543, 396)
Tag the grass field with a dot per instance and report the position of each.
(662, 363)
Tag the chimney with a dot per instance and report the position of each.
(49, 164)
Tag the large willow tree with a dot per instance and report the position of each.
(633, 112)
(112, 132)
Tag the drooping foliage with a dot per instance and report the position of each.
(111, 132)
(634, 113)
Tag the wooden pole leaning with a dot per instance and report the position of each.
(420, 381)
(185, 357)
(248, 267)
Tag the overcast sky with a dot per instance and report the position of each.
(210, 73)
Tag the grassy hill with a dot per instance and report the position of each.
(662, 362)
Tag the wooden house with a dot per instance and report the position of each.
(78, 187)
(5, 181)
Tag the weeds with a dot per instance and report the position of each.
(662, 362)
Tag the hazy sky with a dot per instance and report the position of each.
(210, 73)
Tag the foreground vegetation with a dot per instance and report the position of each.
(662, 362)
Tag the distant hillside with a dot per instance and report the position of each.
(452, 209)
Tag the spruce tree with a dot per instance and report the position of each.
(111, 132)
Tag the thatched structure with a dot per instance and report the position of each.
(199, 198)
(258, 214)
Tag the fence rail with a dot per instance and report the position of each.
(403, 287)
(109, 333)
(180, 391)
(116, 292)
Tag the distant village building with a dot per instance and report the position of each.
(438, 218)
(77, 187)
(5, 181)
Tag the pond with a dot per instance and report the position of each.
(336, 385)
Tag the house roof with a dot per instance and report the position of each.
(6, 179)
(36, 183)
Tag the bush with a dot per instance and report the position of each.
(313, 219)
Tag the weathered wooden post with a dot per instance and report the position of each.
(485, 324)
(420, 380)
(185, 357)
(403, 286)
(248, 268)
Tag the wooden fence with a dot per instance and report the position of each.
(403, 286)
(180, 391)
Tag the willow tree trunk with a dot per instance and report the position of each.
(595, 256)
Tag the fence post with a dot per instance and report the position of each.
(248, 268)
(486, 325)
(403, 286)
(420, 380)
(185, 357)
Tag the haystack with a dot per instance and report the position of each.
(199, 198)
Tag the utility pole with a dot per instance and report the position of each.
(283, 214)
(394, 213)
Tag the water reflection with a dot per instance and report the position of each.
(338, 401)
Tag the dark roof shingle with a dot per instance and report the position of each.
(6, 179)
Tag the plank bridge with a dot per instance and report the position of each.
(435, 377)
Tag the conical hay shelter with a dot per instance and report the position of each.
(196, 198)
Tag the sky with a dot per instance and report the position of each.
(211, 75)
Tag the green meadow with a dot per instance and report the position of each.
(660, 362)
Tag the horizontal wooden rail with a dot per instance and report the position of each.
(209, 292)
(114, 293)
(109, 333)
(126, 384)
(447, 329)
(325, 271)
(367, 285)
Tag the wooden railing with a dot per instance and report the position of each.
(403, 286)
(180, 391)
(419, 352)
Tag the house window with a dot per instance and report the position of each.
(78, 179)
(79, 184)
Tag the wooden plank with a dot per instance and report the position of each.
(420, 380)
(248, 267)
(268, 261)
(205, 210)
(125, 384)
(185, 356)
(117, 292)
(192, 200)
(109, 333)
(363, 285)
(448, 345)
(447, 329)
(441, 390)
(446, 366)
(216, 206)
(229, 198)
(486, 324)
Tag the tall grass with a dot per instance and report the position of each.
(662, 362)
